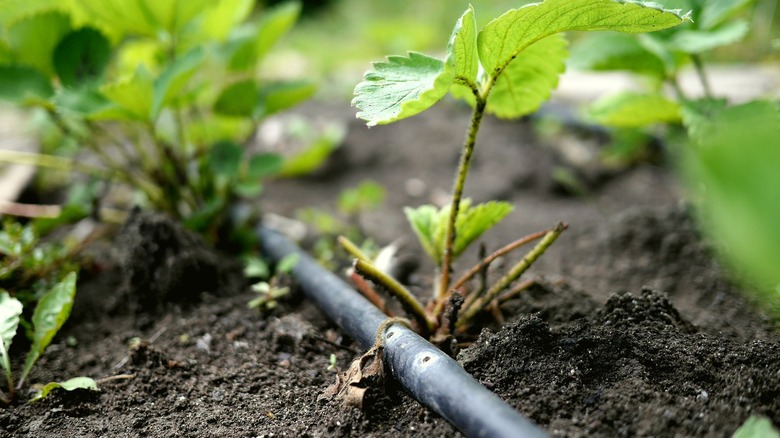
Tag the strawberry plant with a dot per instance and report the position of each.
(166, 95)
(507, 69)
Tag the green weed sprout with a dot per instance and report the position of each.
(507, 69)
(269, 291)
(166, 95)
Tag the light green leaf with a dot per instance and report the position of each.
(529, 79)
(614, 51)
(22, 84)
(369, 194)
(473, 221)
(10, 311)
(403, 86)
(255, 267)
(225, 158)
(715, 12)
(143, 17)
(279, 96)
(12, 11)
(32, 40)
(311, 158)
(287, 263)
(757, 426)
(424, 221)
(50, 314)
(220, 17)
(698, 41)
(464, 47)
(505, 37)
(250, 49)
(174, 78)
(238, 99)
(68, 385)
(133, 96)
(81, 56)
(634, 110)
(731, 166)
(263, 165)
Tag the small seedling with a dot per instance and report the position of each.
(50, 314)
(269, 291)
(508, 69)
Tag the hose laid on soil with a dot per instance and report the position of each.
(432, 377)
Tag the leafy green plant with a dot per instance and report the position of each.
(757, 426)
(50, 314)
(660, 57)
(269, 290)
(507, 69)
(166, 94)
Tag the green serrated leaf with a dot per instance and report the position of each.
(10, 311)
(529, 79)
(263, 165)
(279, 96)
(50, 314)
(81, 56)
(171, 82)
(225, 158)
(614, 51)
(505, 37)
(634, 110)
(472, 222)
(698, 41)
(21, 84)
(757, 426)
(275, 23)
(464, 47)
(32, 40)
(132, 97)
(238, 99)
(12, 11)
(424, 220)
(68, 385)
(403, 86)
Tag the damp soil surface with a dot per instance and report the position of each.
(633, 329)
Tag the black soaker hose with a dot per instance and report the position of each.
(432, 377)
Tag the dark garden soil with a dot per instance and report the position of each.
(633, 329)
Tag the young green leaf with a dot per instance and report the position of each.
(225, 158)
(68, 385)
(33, 39)
(250, 49)
(50, 314)
(634, 110)
(133, 97)
(311, 158)
(287, 263)
(472, 222)
(143, 17)
(10, 311)
(698, 41)
(19, 84)
(715, 12)
(81, 56)
(614, 51)
(171, 81)
(505, 37)
(424, 221)
(279, 96)
(220, 17)
(757, 426)
(404, 86)
(263, 165)
(238, 99)
(529, 79)
(12, 11)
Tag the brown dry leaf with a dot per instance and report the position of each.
(366, 372)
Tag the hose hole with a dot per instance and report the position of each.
(426, 359)
(390, 335)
